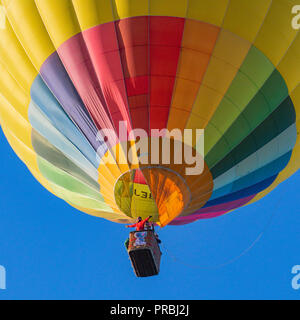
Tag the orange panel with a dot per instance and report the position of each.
(197, 45)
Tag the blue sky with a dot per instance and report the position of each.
(52, 251)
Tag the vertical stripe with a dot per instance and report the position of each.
(165, 42)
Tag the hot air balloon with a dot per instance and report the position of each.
(89, 86)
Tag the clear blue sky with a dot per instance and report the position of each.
(52, 251)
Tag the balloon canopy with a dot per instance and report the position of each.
(72, 71)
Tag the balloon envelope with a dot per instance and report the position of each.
(72, 71)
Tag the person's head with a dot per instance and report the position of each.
(139, 219)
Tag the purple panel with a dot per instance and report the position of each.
(58, 81)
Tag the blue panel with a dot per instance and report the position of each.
(277, 122)
(42, 125)
(242, 193)
(255, 177)
(50, 107)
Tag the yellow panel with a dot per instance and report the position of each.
(146, 206)
(29, 28)
(290, 65)
(231, 48)
(110, 172)
(77, 198)
(60, 19)
(170, 8)
(130, 8)
(13, 93)
(294, 163)
(91, 13)
(219, 75)
(245, 17)
(18, 133)
(15, 59)
(210, 11)
(205, 105)
(228, 55)
(15, 122)
(28, 156)
(276, 34)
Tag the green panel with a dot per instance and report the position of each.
(244, 107)
(257, 110)
(47, 151)
(257, 67)
(275, 90)
(79, 200)
(282, 118)
(253, 75)
(70, 188)
(285, 115)
(241, 90)
(221, 121)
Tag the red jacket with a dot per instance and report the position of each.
(139, 225)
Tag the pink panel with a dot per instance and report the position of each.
(103, 47)
(77, 63)
(212, 212)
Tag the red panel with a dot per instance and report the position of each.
(164, 60)
(139, 111)
(103, 47)
(132, 32)
(159, 117)
(139, 177)
(166, 31)
(112, 65)
(133, 40)
(165, 45)
(138, 101)
(161, 91)
(135, 61)
(137, 86)
(140, 117)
